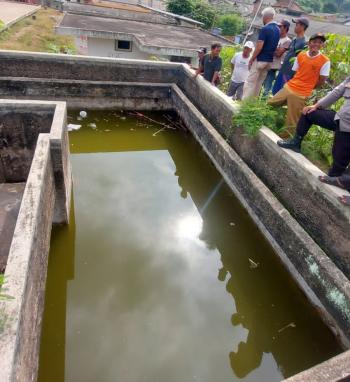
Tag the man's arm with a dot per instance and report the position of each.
(282, 49)
(232, 68)
(329, 99)
(198, 71)
(215, 77)
(321, 81)
(257, 50)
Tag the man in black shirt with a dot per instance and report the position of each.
(211, 65)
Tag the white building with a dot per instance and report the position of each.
(121, 30)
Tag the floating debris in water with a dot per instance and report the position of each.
(290, 325)
(83, 114)
(107, 130)
(132, 129)
(232, 224)
(92, 125)
(79, 118)
(123, 118)
(253, 264)
(72, 126)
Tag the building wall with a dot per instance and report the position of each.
(106, 48)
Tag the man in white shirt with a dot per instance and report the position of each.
(280, 53)
(240, 71)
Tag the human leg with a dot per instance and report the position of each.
(295, 105)
(340, 153)
(231, 89)
(239, 93)
(323, 118)
(263, 68)
(280, 81)
(279, 98)
(269, 81)
(249, 85)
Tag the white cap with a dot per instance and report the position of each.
(249, 44)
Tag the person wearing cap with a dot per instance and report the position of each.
(201, 53)
(329, 119)
(240, 71)
(261, 60)
(280, 53)
(312, 69)
(298, 44)
(211, 65)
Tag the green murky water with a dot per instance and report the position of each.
(152, 281)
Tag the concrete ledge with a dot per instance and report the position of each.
(46, 197)
(294, 180)
(25, 275)
(59, 149)
(336, 369)
(325, 285)
(90, 94)
(58, 66)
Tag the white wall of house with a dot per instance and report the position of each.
(104, 47)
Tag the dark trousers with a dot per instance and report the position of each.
(345, 180)
(341, 143)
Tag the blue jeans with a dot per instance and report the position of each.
(280, 82)
(269, 80)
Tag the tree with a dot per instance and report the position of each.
(230, 24)
(203, 12)
(180, 7)
(329, 8)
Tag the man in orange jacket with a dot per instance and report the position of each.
(312, 69)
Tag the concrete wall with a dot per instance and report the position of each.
(106, 48)
(46, 195)
(255, 169)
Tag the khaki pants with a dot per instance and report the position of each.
(295, 104)
(257, 75)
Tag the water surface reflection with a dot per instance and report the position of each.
(163, 289)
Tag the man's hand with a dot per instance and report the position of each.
(309, 109)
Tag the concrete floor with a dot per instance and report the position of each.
(10, 202)
(10, 11)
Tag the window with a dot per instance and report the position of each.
(123, 45)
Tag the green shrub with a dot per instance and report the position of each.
(256, 113)
(227, 53)
(231, 24)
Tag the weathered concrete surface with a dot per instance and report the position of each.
(57, 66)
(304, 258)
(12, 12)
(10, 201)
(25, 275)
(92, 94)
(294, 180)
(21, 123)
(336, 369)
(19, 130)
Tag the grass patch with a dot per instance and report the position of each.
(37, 34)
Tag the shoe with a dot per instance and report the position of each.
(292, 144)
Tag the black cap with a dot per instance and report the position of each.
(315, 36)
(285, 23)
(302, 20)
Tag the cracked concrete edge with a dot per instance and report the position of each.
(336, 369)
(59, 145)
(314, 261)
(25, 273)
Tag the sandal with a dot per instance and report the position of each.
(345, 199)
(332, 180)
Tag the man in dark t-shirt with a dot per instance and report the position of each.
(298, 44)
(262, 58)
(211, 65)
